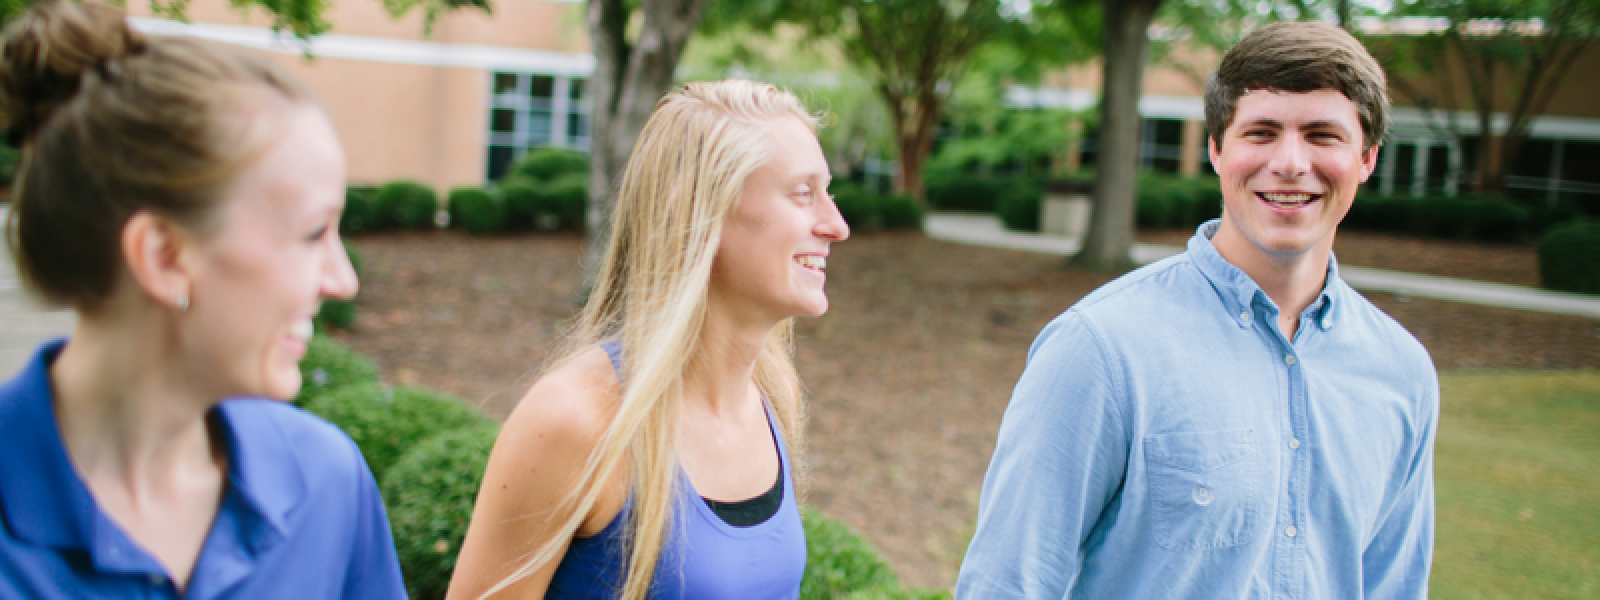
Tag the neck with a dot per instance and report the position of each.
(1291, 280)
(125, 406)
(721, 374)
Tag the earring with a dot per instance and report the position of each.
(183, 302)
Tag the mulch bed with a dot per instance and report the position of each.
(907, 375)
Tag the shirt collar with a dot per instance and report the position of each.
(1240, 294)
(45, 503)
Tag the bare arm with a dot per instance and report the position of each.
(536, 464)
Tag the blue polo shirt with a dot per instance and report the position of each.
(301, 518)
(1168, 440)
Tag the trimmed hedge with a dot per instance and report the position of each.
(839, 561)
(1166, 202)
(361, 213)
(477, 211)
(978, 193)
(340, 314)
(864, 210)
(561, 202)
(1474, 217)
(385, 420)
(1018, 205)
(549, 162)
(328, 365)
(429, 494)
(407, 205)
(1569, 257)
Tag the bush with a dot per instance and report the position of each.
(361, 214)
(1018, 205)
(328, 365)
(407, 205)
(429, 494)
(385, 420)
(857, 206)
(839, 561)
(1568, 257)
(1166, 201)
(561, 203)
(900, 211)
(340, 314)
(545, 163)
(972, 193)
(519, 198)
(476, 211)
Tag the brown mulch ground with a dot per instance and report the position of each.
(907, 375)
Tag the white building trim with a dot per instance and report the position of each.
(1150, 106)
(377, 49)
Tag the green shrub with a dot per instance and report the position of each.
(519, 198)
(361, 214)
(385, 420)
(429, 494)
(340, 314)
(1569, 257)
(549, 162)
(1544, 215)
(328, 365)
(839, 561)
(476, 211)
(971, 193)
(561, 202)
(1018, 205)
(1166, 201)
(857, 206)
(408, 205)
(900, 211)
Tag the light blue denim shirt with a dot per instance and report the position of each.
(1166, 440)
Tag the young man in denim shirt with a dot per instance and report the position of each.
(1234, 421)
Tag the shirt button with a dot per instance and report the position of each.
(1244, 318)
(1202, 494)
(1288, 359)
(157, 580)
(1291, 531)
(1294, 444)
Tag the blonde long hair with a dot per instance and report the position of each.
(686, 173)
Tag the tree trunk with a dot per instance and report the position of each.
(914, 141)
(627, 83)
(1109, 243)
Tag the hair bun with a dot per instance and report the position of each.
(46, 52)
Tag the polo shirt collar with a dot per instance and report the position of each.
(1240, 294)
(45, 502)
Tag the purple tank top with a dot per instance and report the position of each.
(704, 557)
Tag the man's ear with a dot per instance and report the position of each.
(1211, 148)
(1369, 161)
(154, 250)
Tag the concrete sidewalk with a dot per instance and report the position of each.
(985, 230)
(23, 323)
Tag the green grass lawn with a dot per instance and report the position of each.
(1517, 470)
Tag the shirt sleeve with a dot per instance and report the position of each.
(1060, 459)
(374, 568)
(1396, 562)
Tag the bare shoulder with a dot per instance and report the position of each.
(568, 408)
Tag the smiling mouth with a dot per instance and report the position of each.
(812, 261)
(1288, 200)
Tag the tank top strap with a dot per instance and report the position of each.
(613, 350)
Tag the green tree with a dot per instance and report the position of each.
(1510, 56)
(912, 51)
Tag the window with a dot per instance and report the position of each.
(529, 109)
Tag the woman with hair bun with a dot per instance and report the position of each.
(183, 197)
(657, 457)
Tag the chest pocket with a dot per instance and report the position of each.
(1204, 488)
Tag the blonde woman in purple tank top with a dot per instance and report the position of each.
(655, 458)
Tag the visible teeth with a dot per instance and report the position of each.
(302, 330)
(812, 261)
(1287, 199)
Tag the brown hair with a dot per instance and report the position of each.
(111, 122)
(1299, 56)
